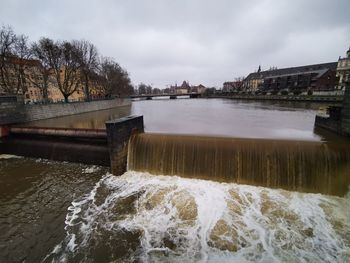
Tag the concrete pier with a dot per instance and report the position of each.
(339, 117)
(118, 134)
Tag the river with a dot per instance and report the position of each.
(214, 117)
(66, 212)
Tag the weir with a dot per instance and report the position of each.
(291, 165)
(73, 145)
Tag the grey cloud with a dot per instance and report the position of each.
(163, 41)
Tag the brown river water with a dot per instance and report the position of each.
(67, 212)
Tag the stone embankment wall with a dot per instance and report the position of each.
(346, 111)
(12, 112)
(327, 99)
(339, 123)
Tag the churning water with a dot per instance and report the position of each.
(62, 212)
(140, 217)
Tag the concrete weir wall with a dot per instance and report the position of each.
(100, 147)
(12, 112)
(71, 145)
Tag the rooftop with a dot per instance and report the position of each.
(293, 70)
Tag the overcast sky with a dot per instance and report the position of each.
(161, 42)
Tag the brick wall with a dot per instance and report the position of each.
(11, 112)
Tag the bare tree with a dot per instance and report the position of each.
(115, 80)
(14, 55)
(156, 91)
(61, 59)
(67, 75)
(149, 89)
(41, 51)
(88, 60)
(238, 83)
(7, 41)
(142, 88)
(66, 64)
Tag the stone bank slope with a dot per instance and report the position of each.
(13, 112)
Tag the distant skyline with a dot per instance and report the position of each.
(162, 42)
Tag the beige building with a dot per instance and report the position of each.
(343, 71)
(253, 82)
(181, 91)
(32, 83)
(23, 77)
(55, 95)
(198, 89)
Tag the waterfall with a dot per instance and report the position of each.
(292, 165)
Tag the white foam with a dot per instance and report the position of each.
(91, 169)
(9, 156)
(181, 220)
(295, 133)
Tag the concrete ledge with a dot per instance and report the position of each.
(59, 148)
(63, 132)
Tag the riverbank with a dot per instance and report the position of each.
(301, 98)
(14, 112)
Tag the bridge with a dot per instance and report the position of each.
(171, 96)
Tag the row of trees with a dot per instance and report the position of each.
(148, 89)
(69, 64)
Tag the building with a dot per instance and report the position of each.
(314, 80)
(343, 70)
(232, 86)
(183, 89)
(22, 77)
(198, 89)
(25, 77)
(96, 89)
(318, 77)
(54, 93)
(254, 81)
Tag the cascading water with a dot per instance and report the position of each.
(291, 165)
(139, 217)
(143, 217)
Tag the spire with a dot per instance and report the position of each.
(259, 69)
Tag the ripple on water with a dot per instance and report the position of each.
(34, 197)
